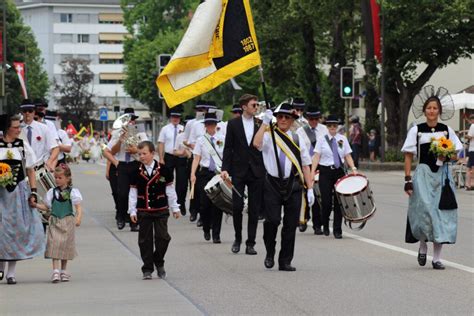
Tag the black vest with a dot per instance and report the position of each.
(151, 190)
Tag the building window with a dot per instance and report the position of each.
(111, 61)
(65, 38)
(111, 18)
(83, 38)
(111, 78)
(111, 81)
(82, 18)
(66, 18)
(112, 38)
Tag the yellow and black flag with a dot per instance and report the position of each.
(219, 44)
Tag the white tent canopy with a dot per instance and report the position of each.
(463, 100)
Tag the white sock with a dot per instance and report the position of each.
(11, 269)
(437, 252)
(423, 247)
(55, 270)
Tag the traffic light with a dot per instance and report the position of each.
(347, 82)
(162, 61)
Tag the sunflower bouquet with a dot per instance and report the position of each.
(6, 175)
(442, 147)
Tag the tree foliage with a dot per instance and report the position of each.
(74, 92)
(22, 47)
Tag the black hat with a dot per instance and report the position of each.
(176, 111)
(312, 111)
(236, 108)
(332, 119)
(298, 103)
(202, 104)
(27, 104)
(40, 102)
(51, 115)
(211, 105)
(354, 119)
(210, 118)
(130, 111)
(285, 108)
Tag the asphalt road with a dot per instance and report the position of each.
(367, 272)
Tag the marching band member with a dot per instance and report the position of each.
(40, 116)
(330, 153)
(111, 174)
(126, 165)
(299, 105)
(284, 183)
(236, 110)
(310, 134)
(200, 109)
(243, 162)
(432, 215)
(166, 145)
(64, 142)
(39, 137)
(207, 155)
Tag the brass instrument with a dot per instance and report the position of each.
(122, 125)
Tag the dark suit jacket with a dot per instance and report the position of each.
(239, 157)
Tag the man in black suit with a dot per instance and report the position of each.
(244, 163)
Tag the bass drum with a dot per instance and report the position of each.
(356, 199)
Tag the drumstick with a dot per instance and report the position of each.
(192, 192)
(233, 188)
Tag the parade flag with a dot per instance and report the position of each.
(375, 12)
(20, 70)
(219, 44)
(371, 18)
(70, 129)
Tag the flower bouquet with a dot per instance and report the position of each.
(442, 147)
(6, 175)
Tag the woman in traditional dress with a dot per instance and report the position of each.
(21, 231)
(428, 221)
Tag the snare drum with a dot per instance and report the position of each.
(44, 182)
(356, 199)
(220, 194)
(317, 191)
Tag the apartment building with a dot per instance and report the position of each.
(88, 29)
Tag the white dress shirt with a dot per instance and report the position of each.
(222, 128)
(249, 125)
(201, 148)
(42, 140)
(269, 156)
(323, 148)
(170, 195)
(63, 139)
(188, 128)
(121, 154)
(52, 128)
(471, 140)
(198, 129)
(319, 131)
(168, 138)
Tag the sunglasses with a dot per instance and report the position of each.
(28, 110)
(254, 105)
(284, 116)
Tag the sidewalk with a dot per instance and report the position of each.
(106, 280)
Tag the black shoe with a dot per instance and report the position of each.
(326, 231)
(303, 227)
(249, 250)
(235, 247)
(207, 235)
(318, 231)
(421, 259)
(192, 218)
(120, 225)
(161, 272)
(216, 240)
(269, 262)
(12, 280)
(338, 235)
(183, 212)
(286, 267)
(134, 227)
(147, 276)
(438, 265)
(199, 223)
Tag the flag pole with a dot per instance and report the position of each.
(272, 132)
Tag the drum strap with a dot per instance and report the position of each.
(211, 149)
(311, 135)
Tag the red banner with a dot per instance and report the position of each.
(375, 10)
(20, 70)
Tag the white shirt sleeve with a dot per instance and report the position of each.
(161, 137)
(30, 156)
(64, 138)
(172, 198)
(76, 196)
(115, 138)
(347, 147)
(48, 198)
(319, 145)
(410, 142)
(52, 138)
(455, 139)
(305, 158)
(132, 201)
(198, 148)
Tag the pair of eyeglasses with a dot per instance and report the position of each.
(284, 116)
(28, 110)
(254, 105)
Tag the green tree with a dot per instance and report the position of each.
(74, 93)
(22, 47)
(432, 34)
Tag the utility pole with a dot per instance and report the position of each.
(382, 115)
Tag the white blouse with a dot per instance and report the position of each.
(411, 141)
(76, 197)
(30, 157)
